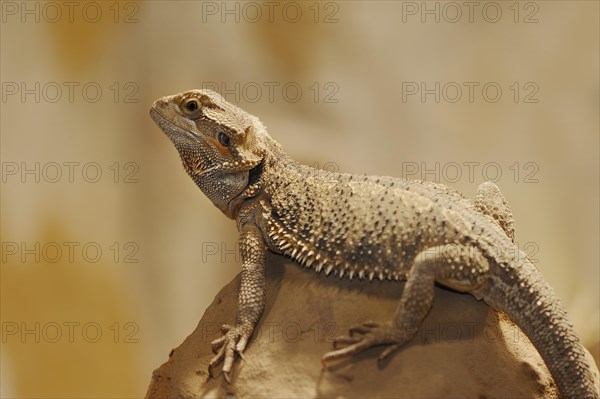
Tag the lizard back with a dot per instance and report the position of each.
(364, 226)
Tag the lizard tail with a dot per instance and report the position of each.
(522, 293)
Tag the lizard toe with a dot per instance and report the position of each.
(216, 360)
(217, 344)
(363, 328)
(371, 335)
(348, 351)
(344, 341)
(387, 352)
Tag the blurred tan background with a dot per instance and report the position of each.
(110, 254)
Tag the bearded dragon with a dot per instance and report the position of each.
(363, 227)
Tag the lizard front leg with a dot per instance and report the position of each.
(460, 267)
(251, 302)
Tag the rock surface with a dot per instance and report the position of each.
(464, 349)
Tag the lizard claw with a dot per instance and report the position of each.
(233, 342)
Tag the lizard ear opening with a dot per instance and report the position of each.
(245, 142)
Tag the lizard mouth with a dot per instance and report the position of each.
(170, 128)
(255, 173)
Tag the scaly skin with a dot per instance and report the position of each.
(363, 227)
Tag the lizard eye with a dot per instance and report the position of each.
(224, 139)
(192, 105)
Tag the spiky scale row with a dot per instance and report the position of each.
(310, 257)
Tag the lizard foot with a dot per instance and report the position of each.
(234, 340)
(365, 336)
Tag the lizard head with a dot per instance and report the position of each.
(221, 146)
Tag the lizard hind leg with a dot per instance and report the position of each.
(490, 201)
(460, 267)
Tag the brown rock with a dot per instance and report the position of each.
(464, 349)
